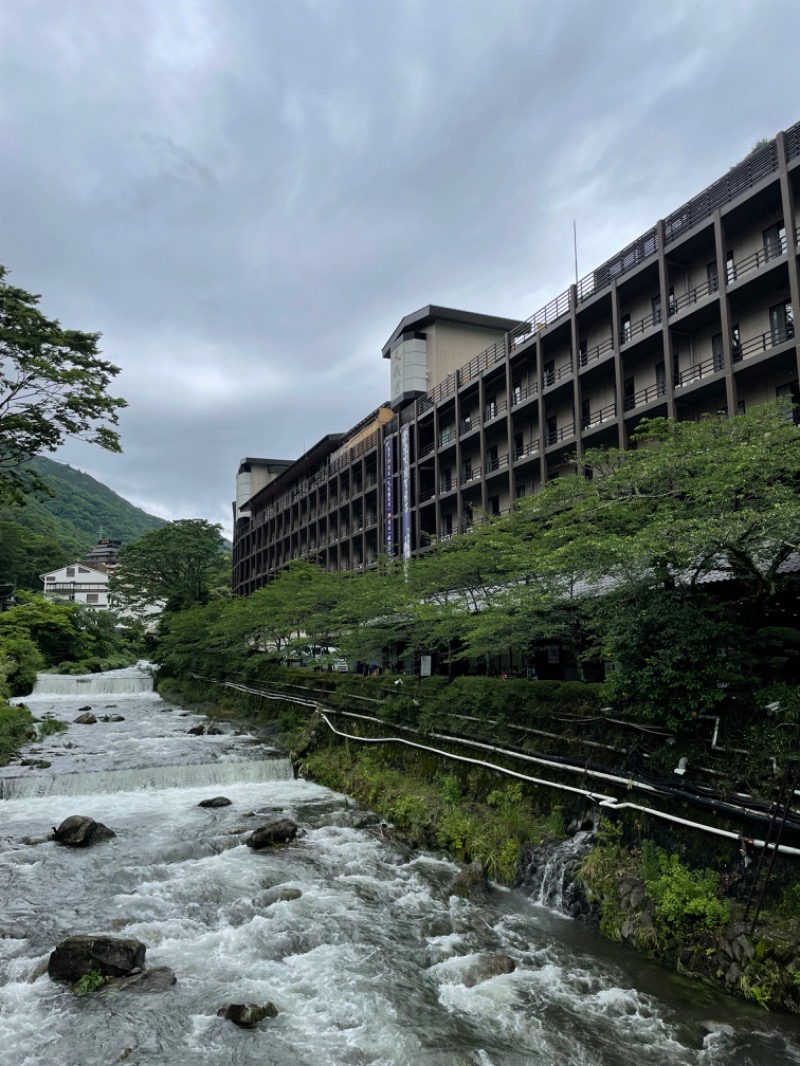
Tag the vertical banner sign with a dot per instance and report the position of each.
(425, 666)
(388, 494)
(405, 488)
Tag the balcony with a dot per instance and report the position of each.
(699, 292)
(473, 474)
(425, 449)
(769, 253)
(596, 418)
(645, 396)
(698, 371)
(591, 355)
(642, 325)
(467, 426)
(426, 494)
(521, 393)
(762, 342)
(447, 437)
(495, 463)
(447, 484)
(553, 377)
(555, 436)
(526, 450)
(495, 410)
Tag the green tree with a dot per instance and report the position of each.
(53, 627)
(52, 386)
(178, 565)
(24, 555)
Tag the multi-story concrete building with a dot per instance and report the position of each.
(696, 316)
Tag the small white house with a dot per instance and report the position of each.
(77, 583)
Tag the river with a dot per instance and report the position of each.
(365, 967)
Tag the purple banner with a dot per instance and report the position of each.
(388, 494)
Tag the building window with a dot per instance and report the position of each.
(717, 357)
(730, 268)
(549, 373)
(791, 392)
(656, 305)
(83, 570)
(781, 322)
(626, 329)
(552, 429)
(494, 505)
(92, 597)
(70, 571)
(491, 408)
(520, 491)
(628, 394)
(673, 306)
(516, 392)
(447, 525)
(491, 458)
(774, 241)
(740, 407)
(661, 379)
(736, 343)
(49, 578)
(586, 413)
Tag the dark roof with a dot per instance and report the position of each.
(426, 315)
(316, 452)
(264, 462)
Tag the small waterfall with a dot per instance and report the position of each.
(105, 782)
(550, 871)
(111, 683)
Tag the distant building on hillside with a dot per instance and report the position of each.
(104, 555)
(78, 583)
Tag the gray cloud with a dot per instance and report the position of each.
(246, 198)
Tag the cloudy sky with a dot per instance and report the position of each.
(246, 197)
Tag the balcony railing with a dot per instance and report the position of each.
(426, 494)
(424, 450)
(772, 250)
(494, 410)
(473, 474)
(699, 371)
(467, 426)
(74, 586)
(698, 292)
(591, 355)
(447, 436)
(496, 462)
(555, 435)
(595, 418)
(521, 393)
(762, 342)
(643, 396)
(552, 377)
(485, 361)
(532, 448)
(447, 484)
(642, 325)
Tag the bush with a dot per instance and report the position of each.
(16, 728)
(49, 727)
(685, 898)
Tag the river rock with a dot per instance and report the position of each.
(280, 895)
(87, 718)
(213, 731)
(271, 833)
(470, 883)
(77, 831)
(33, 841)
(486, 967)
(86, 708)
(196, 730)
(217, 801)
(159, 979)
(111, 956)
(247, 1015)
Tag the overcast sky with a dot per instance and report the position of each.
(246, 197)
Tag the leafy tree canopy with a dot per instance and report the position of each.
(178, 565)
(52, 386)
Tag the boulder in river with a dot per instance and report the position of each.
(87, 718)
(281, 894)
(78, 831)
(217, 801)
(110, 956)
(213, 731)
(470, 883)
(271, 833)
(159, 979)
(196, 730)
(487, 966)
(247, 1015)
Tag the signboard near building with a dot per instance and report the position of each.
(405, 489)
(424, 666)
(388, 494)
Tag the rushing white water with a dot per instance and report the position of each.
(117, 682)
(367, 966)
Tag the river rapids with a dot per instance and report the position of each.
(367, 966)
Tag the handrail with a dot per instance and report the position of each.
(558, 374)
(771, 250)
(698, 371)
(532, 448)
(642, 325)
(473, 474)
(603, 414)
(491, 465)
(494, 410)
(597, 352)
(560, 434)
(763, 341)
(643, 396)
(697, 292)
(523, 392)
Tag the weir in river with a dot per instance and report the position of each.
(366, 966)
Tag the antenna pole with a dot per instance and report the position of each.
(575, 247)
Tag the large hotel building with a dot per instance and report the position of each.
(696, 316)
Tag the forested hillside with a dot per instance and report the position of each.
(47, 532)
